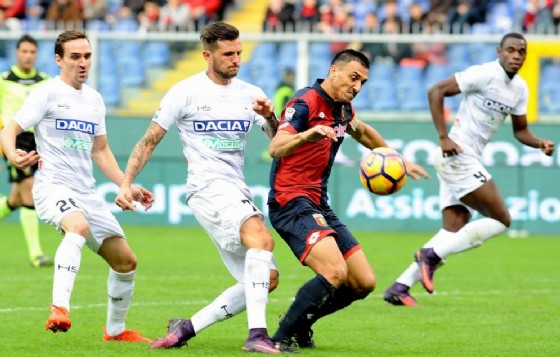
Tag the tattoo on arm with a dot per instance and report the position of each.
(143, 151)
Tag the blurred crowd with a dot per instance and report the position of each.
(149, 15)
(326, 16)
(413, 16)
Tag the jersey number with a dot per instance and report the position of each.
(64, 206)
(251, 204)
(480, 176)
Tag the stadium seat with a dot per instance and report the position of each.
(362, 101)
(320, 51)
(382, 71)
(435, 73)
(109, 88)
(4, 64)
(412, 95)
(156, 54)
(409, 73)
(287, 54)
(383, 95)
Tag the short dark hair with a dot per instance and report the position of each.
(349, 55)
(26, 38)
(511, 35)
(67, 36)
(218, 31)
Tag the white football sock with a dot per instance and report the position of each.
(66, 266)
(411, 275)
(257, 283)
(470, 236)
(228, 304)
(120, 287)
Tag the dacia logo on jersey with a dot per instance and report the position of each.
(75, 125)
(497, 106)
(221, 125)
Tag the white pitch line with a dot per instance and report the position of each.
(284, 299)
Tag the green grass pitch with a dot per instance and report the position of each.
(498, 300)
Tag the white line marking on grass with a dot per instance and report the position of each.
(277, 300)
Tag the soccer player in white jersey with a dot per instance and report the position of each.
(492, 92)
(214, 112)
(68, 118)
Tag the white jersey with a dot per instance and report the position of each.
(213, 122)
(65, 121)
(490, 96)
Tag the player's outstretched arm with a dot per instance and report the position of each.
(141, 153)
(525, 136)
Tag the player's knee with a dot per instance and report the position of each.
(274, 280)
(337, 274)
(125, 265)
(80, 227)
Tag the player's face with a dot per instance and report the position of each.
(74, 65)
(347, 81)
(224, 60)
(26, 55)
(512, 54)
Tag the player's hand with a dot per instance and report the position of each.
(547, 147)
(318, 133)
(449, 147)
(23, 159)
(124, 198)
(145, 197)
(263, 106)
(415, 171)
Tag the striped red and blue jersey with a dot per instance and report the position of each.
(305, 172)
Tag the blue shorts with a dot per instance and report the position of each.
(302, 223)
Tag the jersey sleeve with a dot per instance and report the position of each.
(101, 128)
(472, 79)
(295, 117)
(33, 109)
(171, 108)
(521, 107)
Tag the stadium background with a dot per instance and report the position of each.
(133, 68)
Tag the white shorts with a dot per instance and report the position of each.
(221, 208)
(54, 202)
(458, 175)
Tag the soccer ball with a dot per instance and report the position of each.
(382, 171)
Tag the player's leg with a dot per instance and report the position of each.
(67, 262)
(487, 200)
(453, 219)
(30, 223)
(107, 240)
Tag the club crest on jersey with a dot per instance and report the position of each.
(289, 114)
(321, 221)
(75, 125)
(221, 125)
(497, 106)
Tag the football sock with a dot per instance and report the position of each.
(257, 282)
(5, 208)
(66, 266)
(228, 304)
(120, 287)
(410, 276)
(309, 299)
(470, 236)
(342, 297)
(30, 226)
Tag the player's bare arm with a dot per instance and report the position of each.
(284, 143)
(525, 136)
(265, 108)
(445, 88)
(104, 159)
(18, 158)
(366, 134)
(138, 158)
